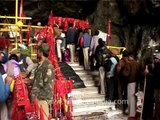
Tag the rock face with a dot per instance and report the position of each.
(134, 22)
(39, 9)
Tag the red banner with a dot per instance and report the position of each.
(109, 33)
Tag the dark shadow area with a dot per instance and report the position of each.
(69, 73)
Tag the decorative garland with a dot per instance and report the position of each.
(63, 22)
(21, 106)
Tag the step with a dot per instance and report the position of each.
(73, 64)
(92, 95)
(86, 76)
(75, 68)
(85, 100)
(115, 115)
(95, 73)
(82, 90)
(96, 104)
(81, 72)
(88, 91)
(85, 95)
(92, 116)
(89, 108)
(106, 115)
(89, 83)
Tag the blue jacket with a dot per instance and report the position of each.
(71, 36)
(5, 58)
(4, 90)
(87, 40)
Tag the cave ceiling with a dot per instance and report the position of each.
(135, 11)
(40, 9)
(134, 22)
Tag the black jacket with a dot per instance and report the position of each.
(100, 51)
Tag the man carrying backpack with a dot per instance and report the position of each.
(110, 77)
(100, 55)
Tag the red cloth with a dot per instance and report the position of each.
(28, 34)
(109, 33)
(50, 19)
(36, 106)
(49, 118)
(21, 104)
(65, 25)
(4, 43)
(41, 113)
(81, 42)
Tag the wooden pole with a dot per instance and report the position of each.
(144, 91)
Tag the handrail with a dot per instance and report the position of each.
(33, 26)
(13, 17)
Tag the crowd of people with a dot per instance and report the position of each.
(38, 77)
(119, 79)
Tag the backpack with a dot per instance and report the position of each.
(107, 64)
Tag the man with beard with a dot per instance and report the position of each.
(43, 80)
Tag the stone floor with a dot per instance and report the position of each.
(101, 116)
(118, 117)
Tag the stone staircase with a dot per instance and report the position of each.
(88, 104)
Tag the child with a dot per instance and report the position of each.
(66, 55)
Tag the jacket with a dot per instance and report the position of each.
(42, 85)
(87, 40)
(71, 36)
(4, 90)
(133, 68)
(100, 51)
(26, 63)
